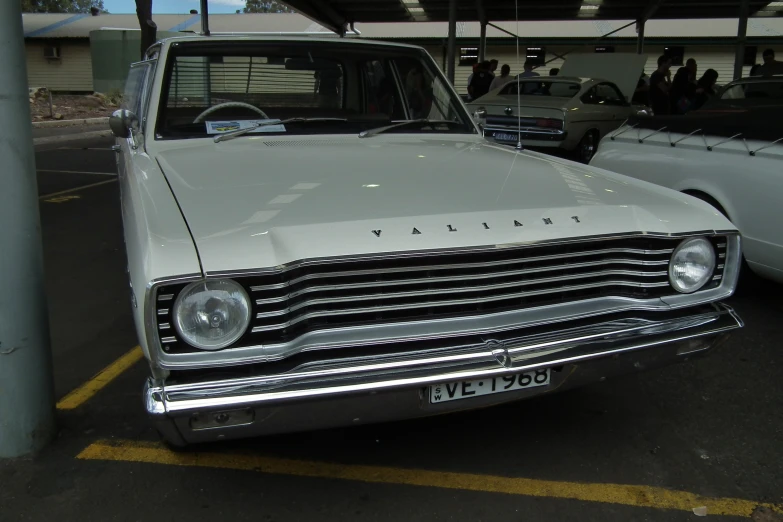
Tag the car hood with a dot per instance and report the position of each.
(623, 69)
(265, 201)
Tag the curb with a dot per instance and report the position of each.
(48, 140)
(69, 123)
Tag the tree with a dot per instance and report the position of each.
(60, 6)
(149, 30)
(266, 6)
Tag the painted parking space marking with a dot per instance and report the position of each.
(107, 149)
(99, 381)
(76, 189)
(628, 495)
(58, 171)
(62, 199)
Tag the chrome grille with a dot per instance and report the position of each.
(321, 294)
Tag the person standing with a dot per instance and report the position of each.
(660, 84)
(482, 79)
(493, 66)
(529, 72)
(683, 91)
(770, 66)
(503, 79)
(641, 95)
(693, 68)
(705, 88)
(470, 79)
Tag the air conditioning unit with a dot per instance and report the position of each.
(52, 52)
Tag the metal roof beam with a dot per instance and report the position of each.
(650, 10)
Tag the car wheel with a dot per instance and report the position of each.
(742, 282)
(587, 146)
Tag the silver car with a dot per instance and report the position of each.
(571, 112)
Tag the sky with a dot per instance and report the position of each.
(173, 6)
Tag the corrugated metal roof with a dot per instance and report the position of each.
(65, 26)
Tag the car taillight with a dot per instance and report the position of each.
(549, 123)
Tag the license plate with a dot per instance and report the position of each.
(453, 391)
(502, 136)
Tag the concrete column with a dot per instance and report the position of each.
(482, 50)
(742, 31)
(27, 420)
(452, 46)
(640, 37)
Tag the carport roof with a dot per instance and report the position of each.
(336, 13)
(70, 26)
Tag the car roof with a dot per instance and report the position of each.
(757, 79)
(282, 38)
(556, 79)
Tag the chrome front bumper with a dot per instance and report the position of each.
(199, 407)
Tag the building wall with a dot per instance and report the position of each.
(72, 72)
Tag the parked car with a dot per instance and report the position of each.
(318, 235)
(754, 91)
(571, 111)
(730, 155)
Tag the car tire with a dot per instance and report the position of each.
(587, 146)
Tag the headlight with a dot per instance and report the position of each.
(210, 315)
(692, 264)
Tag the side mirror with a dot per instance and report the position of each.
(644, 112)
(123, 123)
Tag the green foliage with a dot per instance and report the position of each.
(266, 6)
(60, 6)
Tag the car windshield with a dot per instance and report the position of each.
(764, 91)
(218, 87)
(529, 87)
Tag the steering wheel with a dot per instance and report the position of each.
(227, 105)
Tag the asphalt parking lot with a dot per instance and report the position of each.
(652, 446)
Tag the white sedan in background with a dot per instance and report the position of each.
(730, 155)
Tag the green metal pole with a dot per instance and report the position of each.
(27, 420)
(452, 45)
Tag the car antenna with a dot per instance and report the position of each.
(519, 104)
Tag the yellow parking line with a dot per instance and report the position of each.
(629, 495)
(76, 189)
(86, 391)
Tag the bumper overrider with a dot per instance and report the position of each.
(206, 405)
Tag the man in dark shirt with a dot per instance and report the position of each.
(660, 85)
(482, 79)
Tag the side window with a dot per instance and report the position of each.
(608, 94)
(510, 88)
(735, 92)
(426, 95)
(134, 84)
(590, 97)
(146, 92)
(380, 93)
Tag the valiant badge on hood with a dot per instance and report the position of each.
(451, 228)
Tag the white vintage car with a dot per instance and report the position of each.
(318, 235)
(571, 111)
(729, 155)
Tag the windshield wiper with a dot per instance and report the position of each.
(379, 130)
(242, 132)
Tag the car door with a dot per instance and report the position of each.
(135, 98)
(615, 109)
